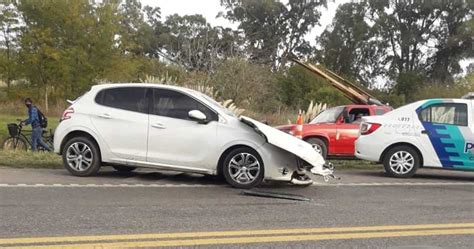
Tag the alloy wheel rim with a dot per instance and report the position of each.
(244, 168)
(79, 156)
(318, 148)
(401, 162)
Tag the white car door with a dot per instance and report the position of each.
(121, 119)
(174, 139)
(446, 129)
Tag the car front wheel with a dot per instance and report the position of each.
(81, 156)
(243, 168)
(401, 161)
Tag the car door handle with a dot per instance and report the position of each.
(425, 132)
(158, 125)
(105, 115)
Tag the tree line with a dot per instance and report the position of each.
(57, 49)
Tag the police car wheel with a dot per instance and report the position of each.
(401, 161)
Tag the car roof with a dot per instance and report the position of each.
(113, 85)
(364, 106)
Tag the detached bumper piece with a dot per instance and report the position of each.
(326, 171)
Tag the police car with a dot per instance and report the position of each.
(436, 133)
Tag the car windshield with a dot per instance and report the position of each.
(328, 116)
(218, 106)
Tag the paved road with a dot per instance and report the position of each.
(149, 209)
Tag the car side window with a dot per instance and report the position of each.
(447, 113)
(126, 98)
(380, 111)
(356, 114)
(173, 104)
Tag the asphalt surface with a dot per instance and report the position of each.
(138, 208)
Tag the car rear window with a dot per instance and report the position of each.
(126, 98)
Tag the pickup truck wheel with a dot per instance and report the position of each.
(401, 161)
(319, 146)
(243, 168)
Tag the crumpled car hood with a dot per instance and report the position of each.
(289, 143)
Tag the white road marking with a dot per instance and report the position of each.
(179, 185)
(395, 184)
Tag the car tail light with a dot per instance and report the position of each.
(367, 128)
(67, 113)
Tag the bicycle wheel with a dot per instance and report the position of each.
(15, 144)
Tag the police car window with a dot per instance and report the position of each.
(449, 113)
(174, 104)
(126, 98)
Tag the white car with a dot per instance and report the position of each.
(435, 133)
(172, 128)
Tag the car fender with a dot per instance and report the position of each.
(316, 134)
(105, 152)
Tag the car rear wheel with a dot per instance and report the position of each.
(81, 156)
(319, 146)
(243, 168)
(121, 168)
(401, 161)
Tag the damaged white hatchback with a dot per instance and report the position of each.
(173, 128)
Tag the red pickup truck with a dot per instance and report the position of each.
(334, 131)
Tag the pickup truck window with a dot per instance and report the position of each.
(356, 114)
(328, 116)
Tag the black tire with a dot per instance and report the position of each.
(321, 144)
(240, 153)
(401, 170)
(15, 144)
(121, 168)
(94, 154)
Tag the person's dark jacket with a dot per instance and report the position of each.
(33, 117)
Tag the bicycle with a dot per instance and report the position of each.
(19, 141)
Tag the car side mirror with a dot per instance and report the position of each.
(198, 116)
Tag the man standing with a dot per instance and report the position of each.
(37, 130)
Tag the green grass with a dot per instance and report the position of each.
(24, 159)
(354, 164)
(8, 118)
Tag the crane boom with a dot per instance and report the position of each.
(350, 90)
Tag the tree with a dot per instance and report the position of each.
(297, 87)
(194, 44)
(9, 30)
(272, 29)
(454, 36)
(348, 47)
(67, 45)
(248, 85)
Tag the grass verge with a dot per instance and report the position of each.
(28, 159)
(355, 164)
(8, 118)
